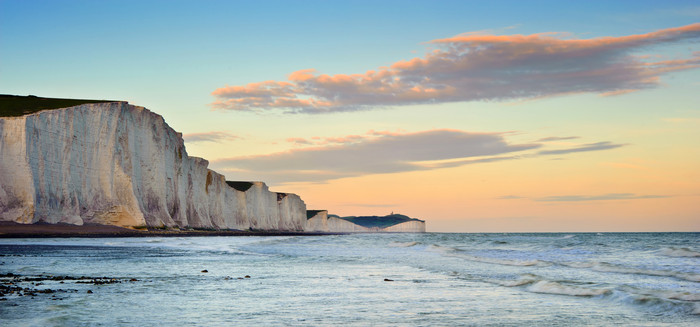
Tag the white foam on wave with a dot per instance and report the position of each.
(403, 244)
(662, 301)
(441, 249)
(541, 285)
(452, 252)
(609, 267)
(683, 296)
(680, 252)
(523, 280)
(657, 300)
(664, 294)
(505, 262)
(550, 287)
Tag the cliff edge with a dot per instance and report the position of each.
(118, 164)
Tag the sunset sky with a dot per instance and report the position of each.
(488, 116)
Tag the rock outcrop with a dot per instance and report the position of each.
(119, 164)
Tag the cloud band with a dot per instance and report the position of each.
(474, 67)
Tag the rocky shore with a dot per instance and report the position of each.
(14, 285)
(16, 230)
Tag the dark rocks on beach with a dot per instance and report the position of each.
(205, 271)
(247, 276)
(388, 280)
(11, 284)
(100, 281)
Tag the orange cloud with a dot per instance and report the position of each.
(301, 75)
(476, 67)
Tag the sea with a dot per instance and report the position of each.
(425, 279)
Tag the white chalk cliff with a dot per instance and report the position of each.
(119, 164)
(319, 221)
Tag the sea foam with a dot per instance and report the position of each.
(680, 252)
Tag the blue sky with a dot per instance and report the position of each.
(169, 56)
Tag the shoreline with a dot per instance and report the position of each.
(17, 230)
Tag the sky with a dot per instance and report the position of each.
(476, 116)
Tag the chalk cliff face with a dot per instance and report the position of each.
(338, 225)
(319, 221)
(406, 227)
(114, 163)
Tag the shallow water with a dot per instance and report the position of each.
(435, 280)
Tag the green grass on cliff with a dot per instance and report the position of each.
(17, 105)
(377, 221)
(311, 213)
(241, 186)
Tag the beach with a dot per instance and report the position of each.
(15, 230)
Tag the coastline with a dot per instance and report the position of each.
(16, 230)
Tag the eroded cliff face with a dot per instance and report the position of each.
(318, 222)
(114, 163)
(406, 227)
(337, 225)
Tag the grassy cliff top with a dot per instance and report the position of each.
(17, 105)
(241, 186)
(311, 213)
(377, 221)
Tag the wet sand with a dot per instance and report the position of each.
(15, 230)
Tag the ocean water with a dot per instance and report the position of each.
(431, 279)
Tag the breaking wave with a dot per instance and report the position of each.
(403, 244)
(608, 267)
(441, 249)
(505, 262)
(680, 252)
(550, 287)
(657, 300)
(539, 284)
(452, 252)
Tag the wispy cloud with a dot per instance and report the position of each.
(475, 67)
(604, 197)
(586, 198)
(209, 137)
(384, 152)
(510, 197)
(557, 138)
(316, 140)
(583, 148)
(319, 159)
